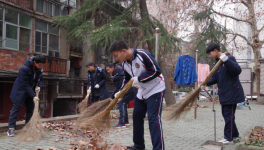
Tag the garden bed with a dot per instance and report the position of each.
(253, 141)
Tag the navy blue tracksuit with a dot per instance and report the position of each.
(152, 106)
(118, 78)
(23, 91)
(230, 93)
(98, 76)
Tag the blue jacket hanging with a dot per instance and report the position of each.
(185, 72)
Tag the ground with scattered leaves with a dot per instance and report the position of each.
(184, 134)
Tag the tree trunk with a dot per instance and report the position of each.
(256, 44)
(169, 97)
(145, 16)
(257, 56)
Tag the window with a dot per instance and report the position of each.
(46, 39)
(11, 16)
(51, 9)
(16, 30)
(40, 4)
(56, 10)
(11, 37)
(73, 3)
(48, 8)
(24, 41)
(64, 1)
(25, 21)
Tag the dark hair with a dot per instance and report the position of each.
(212, 47)
(110, 65)
(39, 59)
(118, 46)
(89, 63)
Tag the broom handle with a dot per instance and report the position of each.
(218, 64)
(37, 93)
(36, 109)
(120, 95)
(88, 93)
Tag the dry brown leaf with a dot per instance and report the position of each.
(83, 143)
(72, 143)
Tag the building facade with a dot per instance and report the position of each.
(26, 29)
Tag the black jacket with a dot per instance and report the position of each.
(230, 90)
(118, 79)
(98, 78)
(27, 79)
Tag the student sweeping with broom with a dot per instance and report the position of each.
(230, 90)
(141, 67)
(118, 77)
(96, 80)
(28, 80)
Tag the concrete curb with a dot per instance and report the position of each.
(21, 124)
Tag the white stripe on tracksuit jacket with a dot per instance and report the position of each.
(145, 67)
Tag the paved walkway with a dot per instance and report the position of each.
(184, 134)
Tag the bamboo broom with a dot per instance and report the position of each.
(92, 110)
(102, 119)
(34, 129)
(174, 111)
(83, 104)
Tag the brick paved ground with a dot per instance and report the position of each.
(184, 134)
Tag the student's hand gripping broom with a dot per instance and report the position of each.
(34, 129)
(102, 119)
(175, 110)
(83, 104)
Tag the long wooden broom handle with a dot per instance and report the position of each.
(88, 93)
(37, 93)
(218, 64)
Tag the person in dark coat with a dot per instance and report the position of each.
(29, 79)
(230, 90)
(118, 77)
(96, 80)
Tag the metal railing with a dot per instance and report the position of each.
(70, 87)
(55, 65)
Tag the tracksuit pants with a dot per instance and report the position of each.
(15, 110)
(152, 106)
(230, 130)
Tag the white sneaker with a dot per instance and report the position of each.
(221, 140)
(225, 141)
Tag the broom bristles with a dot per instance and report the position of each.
(82, 106)
(176, 110)
(102, 119)
(34, 129)
(92, 110)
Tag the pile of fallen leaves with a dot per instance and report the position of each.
(81, 139)
(256, 137)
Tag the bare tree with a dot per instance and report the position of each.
(249, 13)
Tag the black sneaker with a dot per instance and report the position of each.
(120, 125)
(11, 132)
(133, 148)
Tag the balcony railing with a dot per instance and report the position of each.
(55, 65)
(70, 89)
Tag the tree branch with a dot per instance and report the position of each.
(243, 2)
(261, 29)
(243, 37)
(231, 17)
